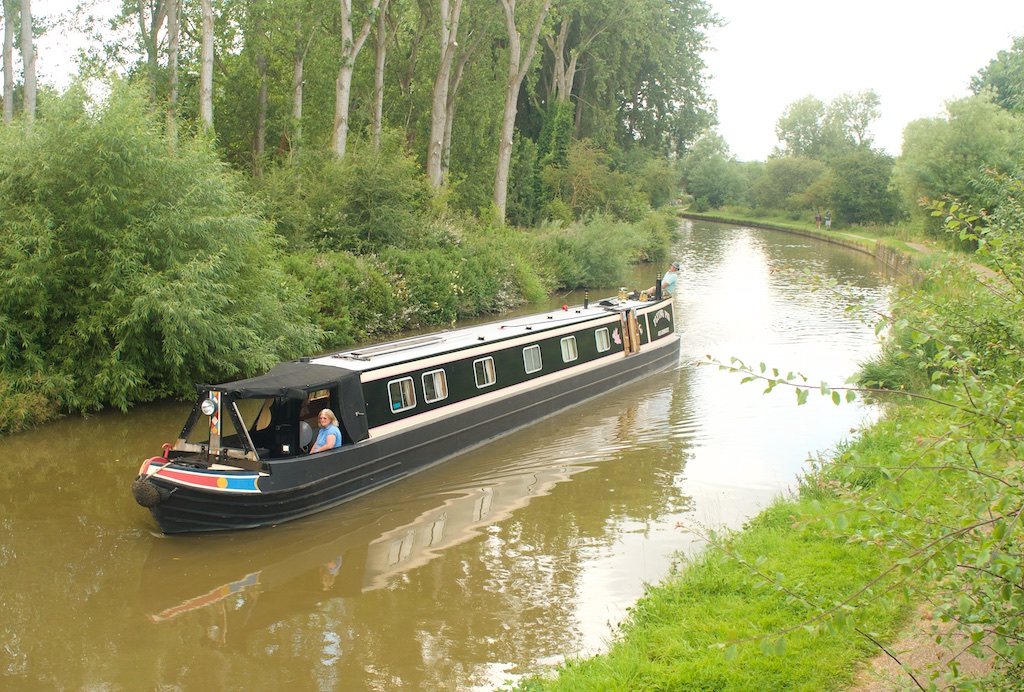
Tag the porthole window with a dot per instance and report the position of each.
(569, 352)
(435, 386)
(483, 371)
(604, 343)
(402, 394)
(531, 359)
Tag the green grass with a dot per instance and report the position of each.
(764, 591)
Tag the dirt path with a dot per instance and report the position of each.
(919, 658)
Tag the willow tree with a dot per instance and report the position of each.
(519, 62)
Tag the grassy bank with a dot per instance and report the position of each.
(756, 612)
(923, 507)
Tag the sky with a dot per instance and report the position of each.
(915, 54)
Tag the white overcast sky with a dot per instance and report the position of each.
(915, 54)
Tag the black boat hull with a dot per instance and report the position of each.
(302, 486)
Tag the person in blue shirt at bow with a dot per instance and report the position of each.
(668, 284)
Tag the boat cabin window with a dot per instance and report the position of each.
(569, 352)
(319, 394)
(531, 359)
(435, 386)
(402, 394)
(603, 342)
(483, 371)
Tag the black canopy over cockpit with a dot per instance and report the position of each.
(296, 379)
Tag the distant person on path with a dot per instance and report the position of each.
(828, 220)
(817, 219)
(668, 284)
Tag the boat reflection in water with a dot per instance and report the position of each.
(231, 583)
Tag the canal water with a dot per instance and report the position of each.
(496, 564)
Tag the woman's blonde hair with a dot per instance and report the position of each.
(330, 414)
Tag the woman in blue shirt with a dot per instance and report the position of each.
(330, 435)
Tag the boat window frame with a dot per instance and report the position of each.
(488, 371)
(533, 348)
(404, 405)
(575, 355)
(444, 385)
(604, 344)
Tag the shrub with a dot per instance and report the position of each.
(129, 271)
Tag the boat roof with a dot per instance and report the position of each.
(296, 378)
(373, 356)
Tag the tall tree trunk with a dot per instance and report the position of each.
(381, 46)
(10, 12)
(449, 28)
(298, 67)
(406, 78)
(28, 58)
(260, 135)
(456, 81)
(578, 122)
(350, 48)
(151, 19)
(173, 48)
(518, 64)
(564, 71)
(206, 69)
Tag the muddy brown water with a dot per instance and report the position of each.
(496, 564)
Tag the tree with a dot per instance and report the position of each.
(587, 185)
(305, 29)
(350, 47)
(801, 128)
(784, 182)
(858, 189)
(849, 118)
(448, 29)
(518, 63)
(810, 128)
(380, 44)
(28, 59)
(1004, 75)
(949, 156)
(710, 173)
(10, 12)
(173, 48)
(206, 68)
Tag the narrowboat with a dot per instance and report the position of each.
(242, 458)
